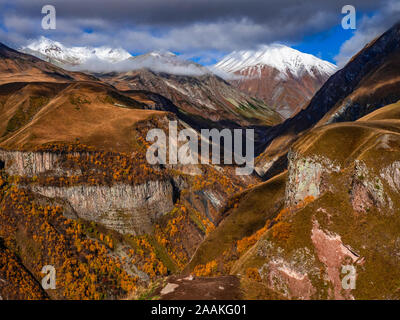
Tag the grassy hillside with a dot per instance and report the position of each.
(92, 112)
(347, 176)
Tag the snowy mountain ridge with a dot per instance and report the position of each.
(107, 59)
(283, 58)
(53, 50)
(287, 61)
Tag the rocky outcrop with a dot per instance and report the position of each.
(290, 277)
(367, 190)
(309, 177)
(333, 254)
(29, 164)
(306, 177)
(391, 174)
(121, 207)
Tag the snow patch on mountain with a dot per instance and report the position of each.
(286, 60)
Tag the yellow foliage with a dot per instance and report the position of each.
(206, 270)
(252, 273)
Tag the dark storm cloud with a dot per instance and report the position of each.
(186, 26)
(180, 12)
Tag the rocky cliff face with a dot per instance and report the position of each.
(312, 177)
(368, 187)
(124, 208)
(129, 208)
(337, 231)
(338, 195)
(30, 163)
(307, 177)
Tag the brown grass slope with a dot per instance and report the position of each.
(18, 67)
(92, 112)
(354, 220)
(245, 214)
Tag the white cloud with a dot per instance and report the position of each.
(368, 29)
(172, 67)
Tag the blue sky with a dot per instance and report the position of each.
(325, 44)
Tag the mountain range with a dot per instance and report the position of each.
(58, 54)
(77, 192)
(283, 78)
(71, 134)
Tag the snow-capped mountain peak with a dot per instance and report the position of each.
(106, 59)
(72, 56)
(283, 58)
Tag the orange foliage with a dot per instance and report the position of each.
(252, 273)
(85, 268)
(280, 230)
(247, 242)
(97, 167)
(20, 284)
(206, 270)
(145, 257)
